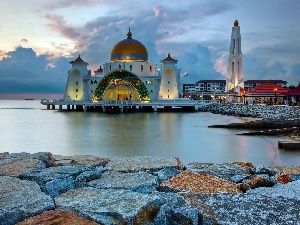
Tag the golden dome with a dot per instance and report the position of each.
(236, 23)
(129, 49)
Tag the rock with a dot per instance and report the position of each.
(262, 181)
(188, 181)
(239, 178)
(110, 206)
(247, 208)
(145, 163)
(85, 160)
(284, 179)
(265, 170)
(167, 173)
(46, 157)
(225, 170)
(57, 180)
(20, 199)
(140, 181)
(57, 217)
(243, 187)
(289, 191)
(16, 166)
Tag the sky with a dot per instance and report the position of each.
(39, 39)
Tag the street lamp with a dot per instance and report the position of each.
(275, 100)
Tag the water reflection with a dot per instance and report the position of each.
(183, 135)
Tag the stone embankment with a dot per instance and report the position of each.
(257, 111)
(45, 189)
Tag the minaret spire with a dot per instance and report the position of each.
(235, 78)
(129, 34)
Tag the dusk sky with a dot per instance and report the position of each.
(39, 38)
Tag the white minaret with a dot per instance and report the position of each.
(235, 79)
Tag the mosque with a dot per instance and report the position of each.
(128, 76)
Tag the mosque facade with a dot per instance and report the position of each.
(128, 76)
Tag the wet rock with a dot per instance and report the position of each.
(188, 181)
(225, 170)
(145, 163)
(262, 181)
(16, 166)
(57, 180)
(140, 181)
(247, 208)
(110, 206)
(85, 160)
(57, 217)
(20, 199)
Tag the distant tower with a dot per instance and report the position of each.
(235, 79)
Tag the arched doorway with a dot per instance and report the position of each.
(121, 85)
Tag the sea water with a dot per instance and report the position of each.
(27, 126)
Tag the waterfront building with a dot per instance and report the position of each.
(210, 85)
(266, 93)
(249, 84)
(235, 79)
(128, 76)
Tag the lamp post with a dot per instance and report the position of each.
(275, 100)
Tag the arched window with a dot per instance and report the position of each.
(142, 68)
(130, 67)
(91, 82)
(95, 82)
(150, 68)
(119, 66)
(109, 67)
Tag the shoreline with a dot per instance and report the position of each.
(86, 189)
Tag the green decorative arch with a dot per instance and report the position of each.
(124, 75)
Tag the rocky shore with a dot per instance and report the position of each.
(256, 111)
(44, 189)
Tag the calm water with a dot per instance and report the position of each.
(30, 127)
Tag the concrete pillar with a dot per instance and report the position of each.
(68, 107)
(53, 106)
(48, 106)
(104, 109)
(155, 108)
(84, 108)
(121, 109)
(60, 107)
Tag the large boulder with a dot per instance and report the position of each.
(227, 209)
(145, 163)
(17, 166)
(188, 181)
(20, 199)
(110, 206)
(84, 160)
(139, 181)
(57, 180)
(228, 171)
(57, 217)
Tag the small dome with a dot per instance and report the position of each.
(129, 49)
(236, 23)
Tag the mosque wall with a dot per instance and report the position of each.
(74, 89)
(168, 88)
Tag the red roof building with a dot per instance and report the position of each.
(267, 90)
(295, 91)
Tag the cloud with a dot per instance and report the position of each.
(24, 40)
(22, 71)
